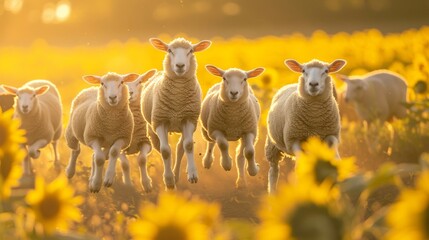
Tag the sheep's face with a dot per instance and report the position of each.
(315, 74)
(355, 90)
(27, 97)
(234, 81)
(135, 87)
(112, 85)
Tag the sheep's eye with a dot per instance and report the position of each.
(191, 51)
(245, 79)
(303, 70)
(169, 51)
(326, 71)
(122, 82)
(224, 79)
(102, 84)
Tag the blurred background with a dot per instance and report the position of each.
(82, 22)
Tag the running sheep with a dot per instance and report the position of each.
(378, 95)
(39, 108)
(140, 142)
(171, 102)
(101, 119)
(299, 111)
(231, 112)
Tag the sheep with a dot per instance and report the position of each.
(100, 118)
(378, 95)
(301, 110)
(6, 100)
(230, 112)
(171, 103)
(140, 142)
(39, 108)
(346, 109)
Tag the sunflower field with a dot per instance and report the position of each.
(379, 189)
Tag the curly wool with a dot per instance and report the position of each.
(140, 129)
(295, 116)
(233, 119)
(45, 119)
(92, 118)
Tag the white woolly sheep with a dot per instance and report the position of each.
(378, 95)
(6, 100)
(302, 110)
(140, 142)
(230, 112)
(101, 119)
(39, 108)
(346, 109)
(171, 102)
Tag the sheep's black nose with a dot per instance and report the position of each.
(233, 93)
(131, 93)
(113, 98)
(24, 107)
(314, 84)
(180, 65)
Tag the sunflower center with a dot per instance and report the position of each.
(169, 232)
(426, 220)
(49, 207)
(3, 133)
(266, 80)
(324, 170)
(6, 163)
(312, 222)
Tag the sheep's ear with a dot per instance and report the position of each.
(293, 65)
(130, 77)
(203, 45)
(9, 90)
(42, 90)
(336, 65)
(215, 70)
(145, 76)
(342, 77)
(92, 79)
(157, 43)
(255, 72)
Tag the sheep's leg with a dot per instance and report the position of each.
(188, 130)
(125, 165)
(114, 152)
(145, 180)
(71, 167)
(165, 149)
(273, 155)
(179, 156)
(249, 153)
(97, 165)
(222, 142)
(57, 164)
(26, 164)
(333, 142)
(34, 151)
(208, 156)
(240, 162)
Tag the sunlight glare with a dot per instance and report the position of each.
(62, 12)
(13, 6)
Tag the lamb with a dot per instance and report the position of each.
(39, 108)
(172, 102)
(302, 110)
(6, 100)
(101, 119)
(231, 112)
(140, 142)
(378, 95)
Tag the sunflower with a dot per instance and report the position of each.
(317, 163)
(408, 218)
(53, 205)
(10, 134)
(10, 169)
(303, 211)
(175, 217)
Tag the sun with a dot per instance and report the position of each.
(175, 217)
(54, 205)
(317, 163)
(408, 218)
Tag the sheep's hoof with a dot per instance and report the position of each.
(240, 183)
(169, 182)
(147, 185)
(253, 169)
(193, 178)
(226, 163)
(95, 185)
(70, 172)
(207, 161)
(34, 154)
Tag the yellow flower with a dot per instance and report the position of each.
(54, 205)
(317, 163)
(10, 134)
(408, 218)
(10, 169)
(303, 211)
(175, 217)
(269, 79)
